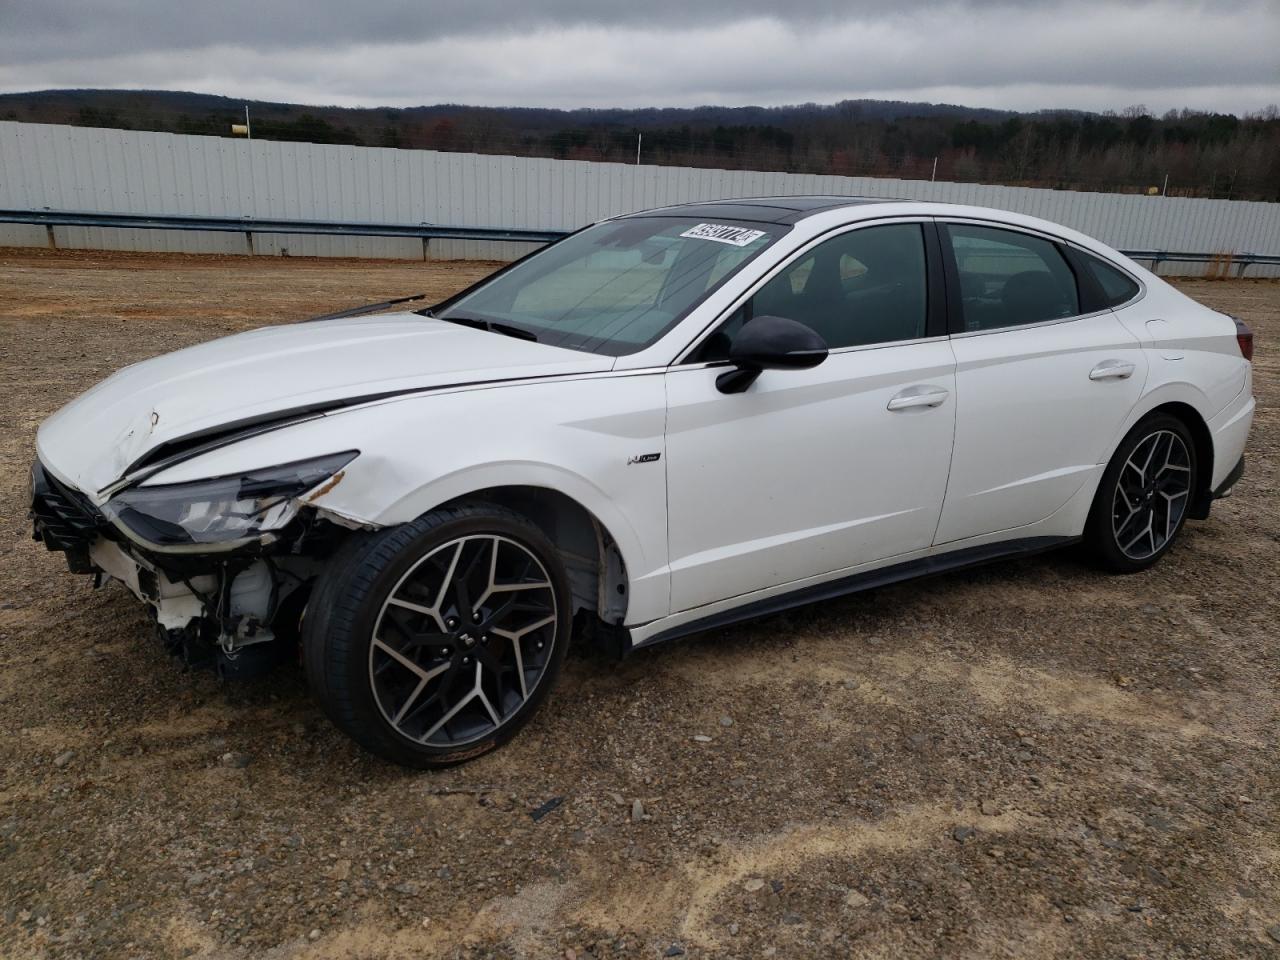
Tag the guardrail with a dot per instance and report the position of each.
(250, 225)
(1221, 262)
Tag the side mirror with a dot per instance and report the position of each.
(770, 343)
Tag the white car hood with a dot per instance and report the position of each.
(92, 440)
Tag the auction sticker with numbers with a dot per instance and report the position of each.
(721, 233)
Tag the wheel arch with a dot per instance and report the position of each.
(1187, 403)
(591, 555)
(1196, 425)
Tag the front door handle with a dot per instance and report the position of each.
(913, 397)
(1112, 370)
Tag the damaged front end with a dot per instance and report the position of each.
(224, 564)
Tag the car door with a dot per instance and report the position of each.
(813, 471)
(1042, 384)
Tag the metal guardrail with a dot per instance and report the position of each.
(432, 231)
(424, 231)
(1223, 261)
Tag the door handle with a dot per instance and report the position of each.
(1112, 370)
(913, 397)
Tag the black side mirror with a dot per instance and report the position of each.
(770, 343)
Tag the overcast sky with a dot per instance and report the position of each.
(1019, 54)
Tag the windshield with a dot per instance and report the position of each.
(617, 287)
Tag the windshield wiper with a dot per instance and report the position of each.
(493, 326)
(367, 308)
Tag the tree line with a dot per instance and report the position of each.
(1183, 152)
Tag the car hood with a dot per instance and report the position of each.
(252, 377)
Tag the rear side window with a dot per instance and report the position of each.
(1008, 278)
(1117, 287)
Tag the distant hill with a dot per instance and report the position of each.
(156, 109)
(1201, 154)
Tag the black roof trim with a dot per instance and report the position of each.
(762, 209)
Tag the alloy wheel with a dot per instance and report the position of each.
(1151, 496)
(463, 640)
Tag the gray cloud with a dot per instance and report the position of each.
(52, 29)
(1026, 54)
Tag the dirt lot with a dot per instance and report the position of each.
(1028, 760)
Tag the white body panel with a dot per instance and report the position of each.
(1031, 425)
(95, 437)
(576, 436)
(805, 477)
(806, 473)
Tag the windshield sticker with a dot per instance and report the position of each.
(720, 233)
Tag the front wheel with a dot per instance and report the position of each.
(1144, 495)
(435, 641)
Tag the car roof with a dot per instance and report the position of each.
(762, 209)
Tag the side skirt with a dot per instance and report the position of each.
(858, 582)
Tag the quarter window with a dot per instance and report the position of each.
(863, 287)
(1117, 287)
(1009, 278)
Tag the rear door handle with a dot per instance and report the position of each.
(1112, 370)
(918, 397)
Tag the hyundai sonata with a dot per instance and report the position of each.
(666, 422)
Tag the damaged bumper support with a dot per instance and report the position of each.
(222, 564)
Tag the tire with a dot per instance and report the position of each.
(1144, 496)
(398, 666)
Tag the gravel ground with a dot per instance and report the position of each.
(1030, 759)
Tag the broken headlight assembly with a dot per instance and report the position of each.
(222, 512)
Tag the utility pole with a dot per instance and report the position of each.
(1164, 191)
(934, 176)
(248, 130)
(639, 137)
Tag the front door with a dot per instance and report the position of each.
(813, 471)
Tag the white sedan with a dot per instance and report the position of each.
(666, 422)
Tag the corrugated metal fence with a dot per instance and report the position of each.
(124, 171)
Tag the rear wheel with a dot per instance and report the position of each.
(434, 642)
(1144, 496)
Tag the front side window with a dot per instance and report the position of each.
(863, 287)
(1009, 278)
(617, 287)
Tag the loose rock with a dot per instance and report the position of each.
(340, 870)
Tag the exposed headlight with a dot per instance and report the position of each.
(223, 510)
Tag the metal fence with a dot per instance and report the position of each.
(62, 168)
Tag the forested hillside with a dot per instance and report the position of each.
(1200, 154)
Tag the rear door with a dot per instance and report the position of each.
(812, 471)
(1042, 384)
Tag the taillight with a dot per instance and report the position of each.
(1244, 337)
